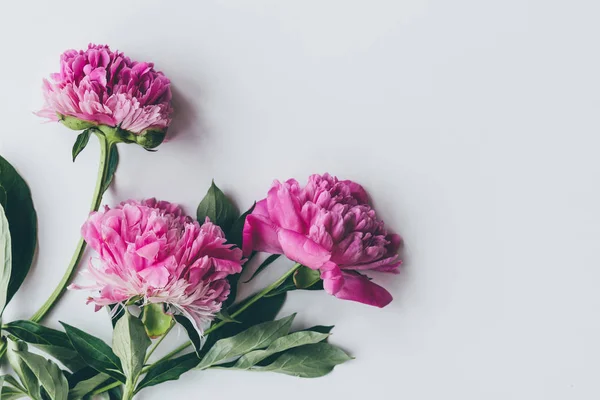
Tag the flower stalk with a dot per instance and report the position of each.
(106, 145)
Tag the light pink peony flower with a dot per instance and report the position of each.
(151, 251)
(327, 225)
(108, 88)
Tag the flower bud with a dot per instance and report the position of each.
(150, 138)
(75, 123)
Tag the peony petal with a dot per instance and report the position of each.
(359, 288)
(155, 277)
(260, 234)
(149, 251)
(284, 208)
(333, 280)
(301, 249)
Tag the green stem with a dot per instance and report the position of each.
(106, 388)
(157, 343)
(129, 390)
(243, 308)
(105, 146)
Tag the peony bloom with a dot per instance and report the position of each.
(101, 87)
(150, 252)
(327, 225)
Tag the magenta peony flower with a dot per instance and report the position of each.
(150, 251)
(101, 87)
(327, 225)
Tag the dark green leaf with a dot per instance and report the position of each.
(309, 361)
(290, 341)
(254, 338)
(95, 352)
(22, 222)
(115, 315)
(116, 393)
(48, 374)
(82, 140)
(5, 259)
(3, 197)
(85, 387)
(113, 162)
(130, 343)
(218, 208)
(27, 377)
(51, 341)
(193, 334)
(168, 370)
(287, 286)
(264, 265)
(235, 234)
(155, 320)
(305, 277)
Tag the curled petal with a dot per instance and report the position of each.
(260, 234)
(360, 289)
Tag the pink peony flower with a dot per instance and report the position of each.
(107, 88)
(151, 251)
(327, 225)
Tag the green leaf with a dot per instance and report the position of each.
(218, 208)
(168, 370)
(82, 140)
(5, 259)
(95, 352)
(235, 233)
(9, 393)
(51, 341)
(13, 382)
(115, 315)
(27, 377)
(193, 334)
(22, 222)
(254, 338)
(320, 329)
(48, 374)
(309, 361)
(113, 162)
(265, 309)
(130, 343)
(84, 387)
(264, 265)
(290, 341)
(305, 277)
(155, 320)
(224, 316)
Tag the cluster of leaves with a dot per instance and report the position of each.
(86, 366)
(91, 365)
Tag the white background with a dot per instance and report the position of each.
(473, 125)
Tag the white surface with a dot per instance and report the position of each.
(473, 124)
